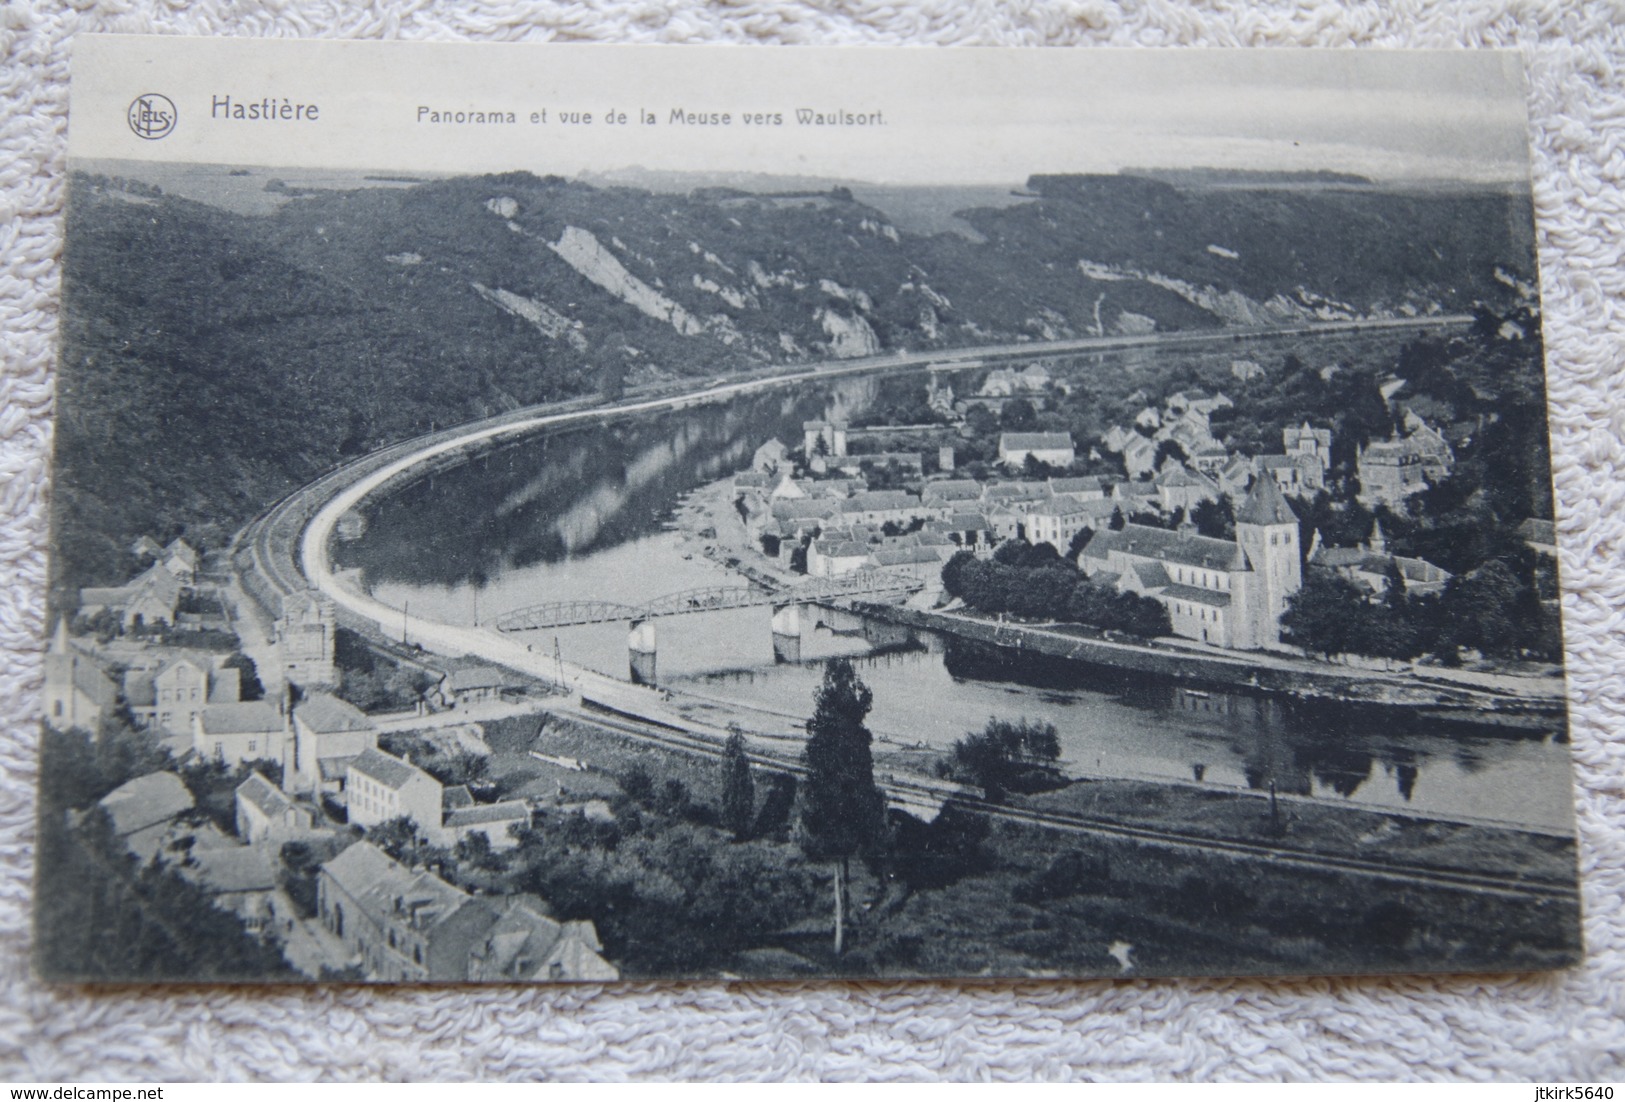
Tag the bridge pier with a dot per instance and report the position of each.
(640, 644)
(787, 634)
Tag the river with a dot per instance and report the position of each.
(587, 513)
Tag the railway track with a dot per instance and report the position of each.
(1422, 876)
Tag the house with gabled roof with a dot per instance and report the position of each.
(238, 732)
(402, 926)
(379, 787)
(1053, 448)
(950, 491)
(181, 560)
(525, 945)
(835, 553)
(151, 597)
(78, 691)
(327, 734)
(265, 813)
(495, 821)
(1139, 456)
(471, 684)
(407, 926)
(143, 810)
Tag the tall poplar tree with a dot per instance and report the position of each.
(842, 812)
(738, 789)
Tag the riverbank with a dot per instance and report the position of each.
(707, 517)
(1524, 706)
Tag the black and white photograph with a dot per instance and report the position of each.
(557, 514)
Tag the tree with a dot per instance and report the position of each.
(953, 573)
(474, 850)
(1327, 614)
(738, 789)
(1007, 756)
(399, 837)
(1169, 449)
(842, 812)
(248, 677)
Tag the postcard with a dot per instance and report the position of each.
(581, 513)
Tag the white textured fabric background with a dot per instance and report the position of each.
(1569, 1026)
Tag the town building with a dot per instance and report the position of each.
(402, 926)
(1394, 469)
(379, 787)
(1368, 566)
(169, 697)
(406, 926)
(242, 880)
(327, 734)
(1295, 475)
(265, 813)
(1139, 456)
(1228, 593)
(1053, 448)
(239, 732)
(468, 685)
(143, 810)
(147, 600)
(827, 438)
(496, 821)
(1315, 443)
(524, 945)
(878, 507)
(950, 492)
(1059, 521)
(1179, 487)
(836, 552)
(78, 692)
(305, 635)
(181, 560)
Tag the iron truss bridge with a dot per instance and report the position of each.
(561, 614)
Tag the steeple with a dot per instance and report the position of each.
(1378, 543)
(59, 637)
(1265, 505)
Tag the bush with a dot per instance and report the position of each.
(1007, 756)
(1072, 873)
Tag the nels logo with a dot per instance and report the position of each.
(152, 116)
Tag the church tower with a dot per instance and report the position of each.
(1267, 533)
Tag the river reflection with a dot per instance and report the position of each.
(1118, 726)
(584, 514)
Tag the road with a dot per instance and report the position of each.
(331, 497)
(450, 639)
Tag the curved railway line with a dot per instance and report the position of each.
(266, 554)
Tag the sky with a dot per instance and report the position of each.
(950, 116)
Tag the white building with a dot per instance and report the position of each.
(1054, 448)
(235, 733)
(379, 787)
